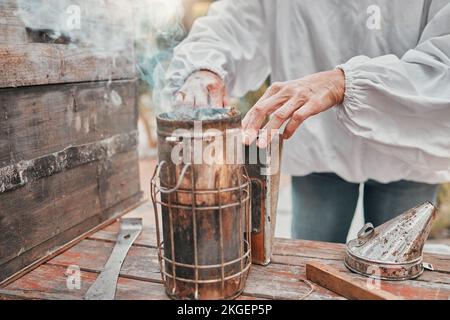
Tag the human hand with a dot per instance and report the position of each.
(202, 89)
(293, 101)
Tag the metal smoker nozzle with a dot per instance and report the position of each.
(392, 251)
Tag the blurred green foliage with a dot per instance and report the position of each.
(444, 193)
(441, 227)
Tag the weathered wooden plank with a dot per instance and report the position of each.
(41, 253)
(315, 249)
(32, 295)
(286, 251)
(276, 281)
(38, 64)
(440, 262)
(118, 179)
(142, 264)
(17, 19)
(38, 121)
(280, 279)
(342, 284)
(281, 246)
(299, 252)
(24, 218)
(59, 244)
(296, 253)
(30, 56)
(17, 175)
(47, 207)
(411, 289)
(50, 282)
(273, 281)
(430, 285)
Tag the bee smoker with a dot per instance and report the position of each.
(202, 207)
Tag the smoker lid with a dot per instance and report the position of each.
(202, 118)
(392, 251)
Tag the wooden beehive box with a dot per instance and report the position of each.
(68, 139)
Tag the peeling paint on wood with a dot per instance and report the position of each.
(23, 172)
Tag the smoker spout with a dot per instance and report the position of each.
(393, 250)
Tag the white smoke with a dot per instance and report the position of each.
(110, 27)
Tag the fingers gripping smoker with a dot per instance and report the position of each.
(202, 208)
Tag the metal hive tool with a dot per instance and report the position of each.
(104, 287)
(392, 251)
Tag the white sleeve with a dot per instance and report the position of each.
(402, 106)
(231, 41)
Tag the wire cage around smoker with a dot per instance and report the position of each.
(204, 248)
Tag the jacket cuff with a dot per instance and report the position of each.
(349, 94)
(220, 72)
(175, 80)
(350, 103)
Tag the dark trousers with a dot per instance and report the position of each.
(323, 204)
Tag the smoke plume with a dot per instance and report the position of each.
(108, 27)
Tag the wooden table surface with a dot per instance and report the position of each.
(140, 277)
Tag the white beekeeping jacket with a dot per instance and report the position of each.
(395, 120)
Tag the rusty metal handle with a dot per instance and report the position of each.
(177, 185)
